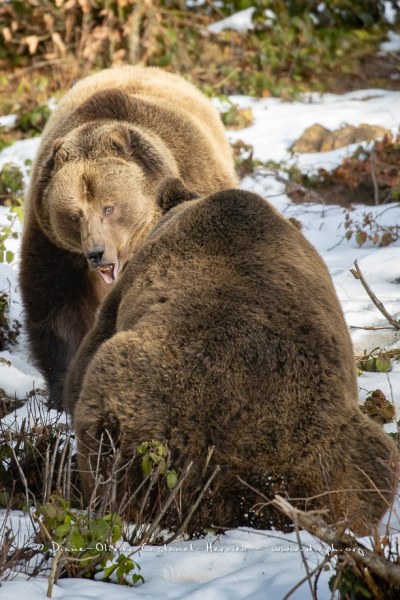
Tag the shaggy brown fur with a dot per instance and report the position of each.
(225, 331)
(112, 140)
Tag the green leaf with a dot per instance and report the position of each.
(63, 530)
(370, 365)
(76, 540)
(172, 479)
(361, 237)
(50, 511)
(137, 578)
(142, 449)
(154, 457)
(383, 363)
(147, 465)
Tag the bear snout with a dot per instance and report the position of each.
(95, 255)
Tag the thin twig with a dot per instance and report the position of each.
(358, 275)
(292, 186)
(198, 500)
(315, 525)
(22, 474)
(370, 328)
(310, 574)
(167, 503)
(373, 175)
(62, 461)
(304, 560)
(337, 244)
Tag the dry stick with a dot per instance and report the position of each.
(358, 275)
(53, 571)
(22, 474)
(38, 65)
(373, 175)
(46, 470)
(198, 500)
(168, 502)
(208, 458)
(50, 473)
(370, 328)
(315, 525)
(310, 574)
(297, 187)
(67, 484)
(304, 560)
(62, 461)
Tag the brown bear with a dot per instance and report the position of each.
(225, 331)
(113, 139)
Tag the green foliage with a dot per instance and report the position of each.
(12, 185)
(298, 46)
(11, 194)
(32, 122)
(156, 457)
(124, 568)
(375, 364)
(4, 142)
(6, 233)
(335, 13)
(349, 584)
(234, 117)
(86, 542)
(368, 229)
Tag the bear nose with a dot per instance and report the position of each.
(95, 254)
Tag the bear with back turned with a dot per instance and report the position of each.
(225, 331)
(112, 140)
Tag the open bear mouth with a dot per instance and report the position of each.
(109, 272)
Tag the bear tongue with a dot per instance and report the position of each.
(107, 273)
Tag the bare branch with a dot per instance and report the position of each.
(292, 186)
(314, 524)
(198, 500)
(55, 565)
(358, 275)
(373, 175)
(167, 503)
(370, 328)
(310, 574)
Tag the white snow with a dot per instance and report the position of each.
(245, 563)
(278, 124)
(241, 21)
(392, 44)
(390, 13)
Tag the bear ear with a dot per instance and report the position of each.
(131, 144)
(59, 154)
(171, 192)
(119, 141)
(56, 146)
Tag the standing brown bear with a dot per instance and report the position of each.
(113, 139)
(225, 331)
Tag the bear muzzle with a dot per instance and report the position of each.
(108, 270)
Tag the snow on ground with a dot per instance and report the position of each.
(244, 563)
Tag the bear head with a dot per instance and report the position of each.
(97, 192)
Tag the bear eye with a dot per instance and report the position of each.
(75, 218)
(108, 210)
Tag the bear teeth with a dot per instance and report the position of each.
(105, 268)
